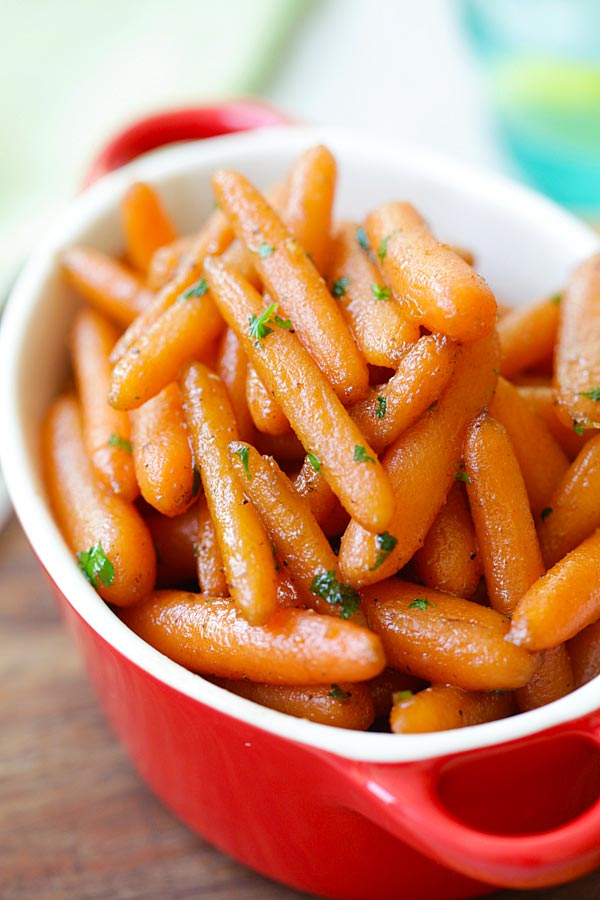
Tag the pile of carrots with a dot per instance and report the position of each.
(368, 496)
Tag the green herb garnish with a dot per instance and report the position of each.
(381, 408)
(420, 603)
(380, 292)
(338, 693)
(314, 461)
(360, 454)
(382, 251)
(578, 429)
(115, 440)
(592, 394)
(338, 288)
(556, 298)
(96, 566)
(243, 452)
(263, 251)
(462, 476)
(401, 696)
(286, 324)
(547, 511)
(260, 326)
(196, 290)
(385, 543)
(326, 586)
(361, 237)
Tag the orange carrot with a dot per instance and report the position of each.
(321, 500)
(294, 284)
(443, 707)
(166, 261)
(285, 447)
(174, 538)
(584, 652)
(246, 549)
(308, 201)
(296, 646)
(436, 287)
(390, 682)
(506, 537)
(112, 289)
(266, 413)
(421, 465)
(232, 369)
(445, 639)
(554, 679)
(210, 567)
(106, 431)
(316, 415)
(111, 542)
(145, 223)
(161, 453)
(379, 327)
(540, 399)
(449, 559)
(528, 335)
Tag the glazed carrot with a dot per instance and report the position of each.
(215, 237)
(162, 454)
(508, 544)
(421, 376)
(573, 510)
(421, 465)
(322, 502)
(528, 335)
(111, 288)
(166, 261)
(146, 225)
(554, 679)
(294, 532)
(210, 567)
(584, 652)
(308, 201)
(443, 707)
(184, 332)
(381, 330)
(246, 549)
(449, 560)
(266, 413)
(296, 646)
(563, 602)
(577, 361)
(104, 531)
(437, 288)
(463, 252)
(106, 431)
(174, 538)
(445, 639)
(316, 415)
(344, 705)
(540, 400)
(390, 682)
(285, 447)
(232, 369)
(294, 284)
(541, 459)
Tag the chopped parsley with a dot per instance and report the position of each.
(361, 237)
(462, 476)
(326, 586)
(338, 288)
(286, 324)
(263, 251)
(260, 326)
(96, 566)
(401, 696)
(380, 292)
(556, 298)
(115, 440)
(196, 290)
(592, 394)
(547, 511)
(381, 408)
(385, 543)
(243, 452)
(382, 249)
(420, 603)
(360, 454)
(338, 693)
(195, 549)
(196, 481)
(578, 428)
(314, 461)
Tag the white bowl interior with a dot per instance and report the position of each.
(524, 245)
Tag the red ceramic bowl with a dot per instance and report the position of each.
(340, 814)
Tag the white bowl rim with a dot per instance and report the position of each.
(55, 556)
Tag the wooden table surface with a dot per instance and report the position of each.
(76, 823)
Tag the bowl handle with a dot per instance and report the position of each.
(405, 799)
(186, 124)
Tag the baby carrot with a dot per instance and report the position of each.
(111, 288)
(561, 603)
(421, 465)
(210, 567)
(146, 224)
(266, 413)
(111, 542)
(541, 459)
(321, 500)
(540, 399)
(294, 532)
(554, 679)
(445, 639)
(528, 335)
(420, 377)
(246, 549)
(316, 415)
(294, 284)
(308, 201)
(296, 646)
(284, 447)
(344, 705)
(437, 288)
(444, 706)
(166, 261)
(106, 431)
(449, 559)
(184, 332)
(161, 453)
(577, 362)
(584, 652)
(390, 682)
(573, 510)
(506, 537)
(174, 538)
(379, 327)
(232, 369)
